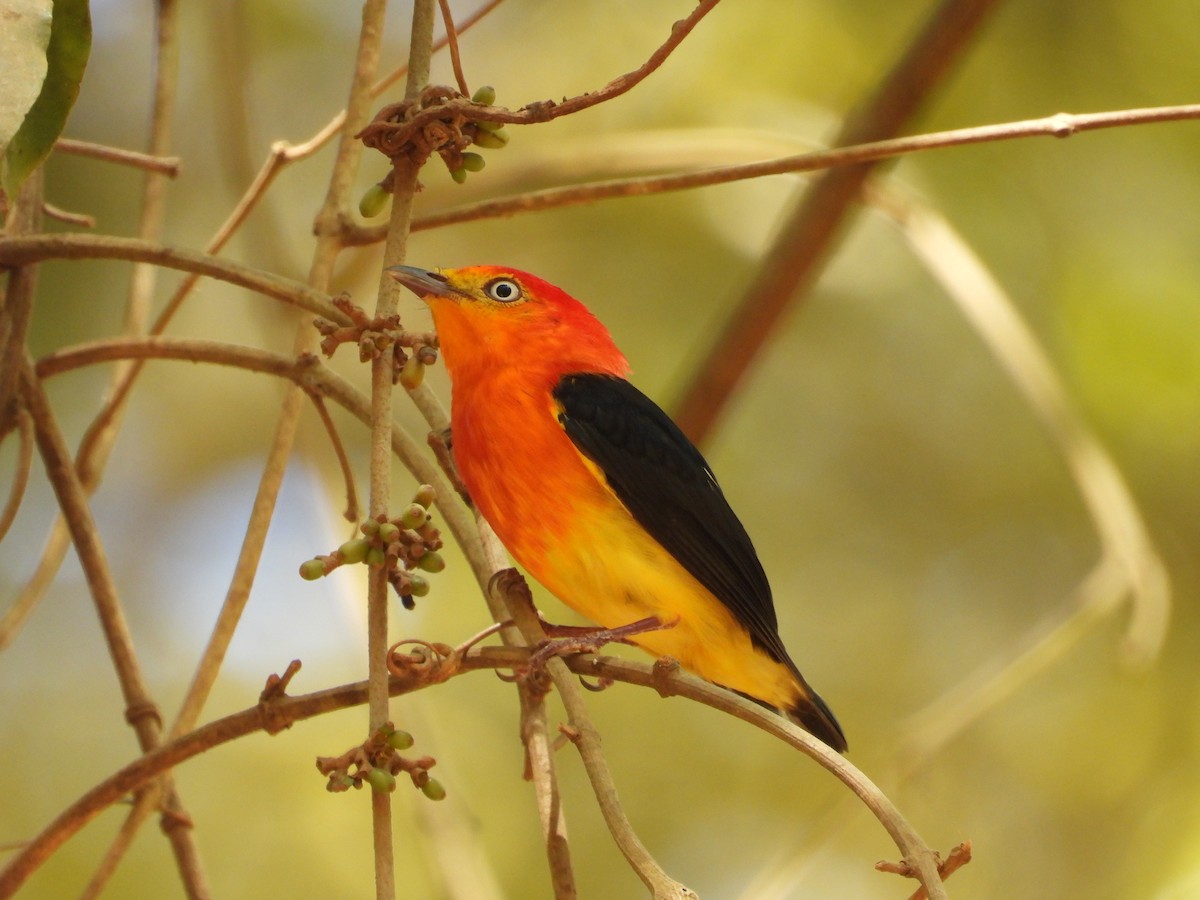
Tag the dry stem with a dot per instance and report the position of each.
(278, 711)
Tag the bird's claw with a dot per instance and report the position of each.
(568, 640)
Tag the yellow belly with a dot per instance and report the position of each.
(553, 511)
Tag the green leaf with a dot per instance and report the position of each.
(24, 35)
(66, 52)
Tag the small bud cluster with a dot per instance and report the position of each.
(448, 136)
(490, 135)
(407, 546)
(377, 763)
(411, 351)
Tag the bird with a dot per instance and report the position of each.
(596, 492)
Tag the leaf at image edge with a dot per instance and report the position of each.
(66, 60)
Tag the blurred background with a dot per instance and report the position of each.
(916, 520)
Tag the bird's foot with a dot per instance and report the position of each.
(566, 640)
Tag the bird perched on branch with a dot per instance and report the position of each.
(596, 492)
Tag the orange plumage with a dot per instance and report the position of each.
(594, 490)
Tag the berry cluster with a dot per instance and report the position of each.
(406, 546)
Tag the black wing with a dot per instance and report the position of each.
(666, 484)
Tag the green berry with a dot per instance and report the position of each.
(414, 517)
(433, 789)
(381, 780)
(312, 569)
(373, 201)
(400, 740)
(431, 562)
(485, 95)
(459, 175)
(369, 527)
(354, 551)
(412, 373)
(388, 532)
(418, 585)
(425, 495)
(376, 557)
(489, 126)
(473, 162)
(494, 140)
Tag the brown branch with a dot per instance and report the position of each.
(351, 512)
(279, 712)
(307, 371)
(452, 42)
(294, 152)
(806, 240)
(1059, 125)
(163, 165)
(20, 479)
(509, 591)
(18, 251)
(405, 181)
(508, 597)
(140, 710)
(546, 110)
(81, 220)
(955, 860)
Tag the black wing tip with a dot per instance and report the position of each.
(814, 716)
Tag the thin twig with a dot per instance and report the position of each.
(163, 165)
(20, 479)
(419, 53)
(509, 599)
(238, 594)
(307, 148)
(82, 220)
(539, 764)
(140, 710)
(547, 110)
(285, 711)
(1129, 565)
(15, 251)
(452, 41)
(510, 588)
(351, 512)
(307, 372)
(1059, 125)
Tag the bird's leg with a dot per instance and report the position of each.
(566, 640)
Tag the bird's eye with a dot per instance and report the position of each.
(503, 289)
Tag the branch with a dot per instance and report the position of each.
(280, 712)
(399, 128)
(308, 372)
(140, 710)
(162, 165)
(20, 479)
(19, 251)
(419, 53)
(508, 587)
(1059, 125)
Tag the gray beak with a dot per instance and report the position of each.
(420, 281)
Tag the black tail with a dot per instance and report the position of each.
(815, 717)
